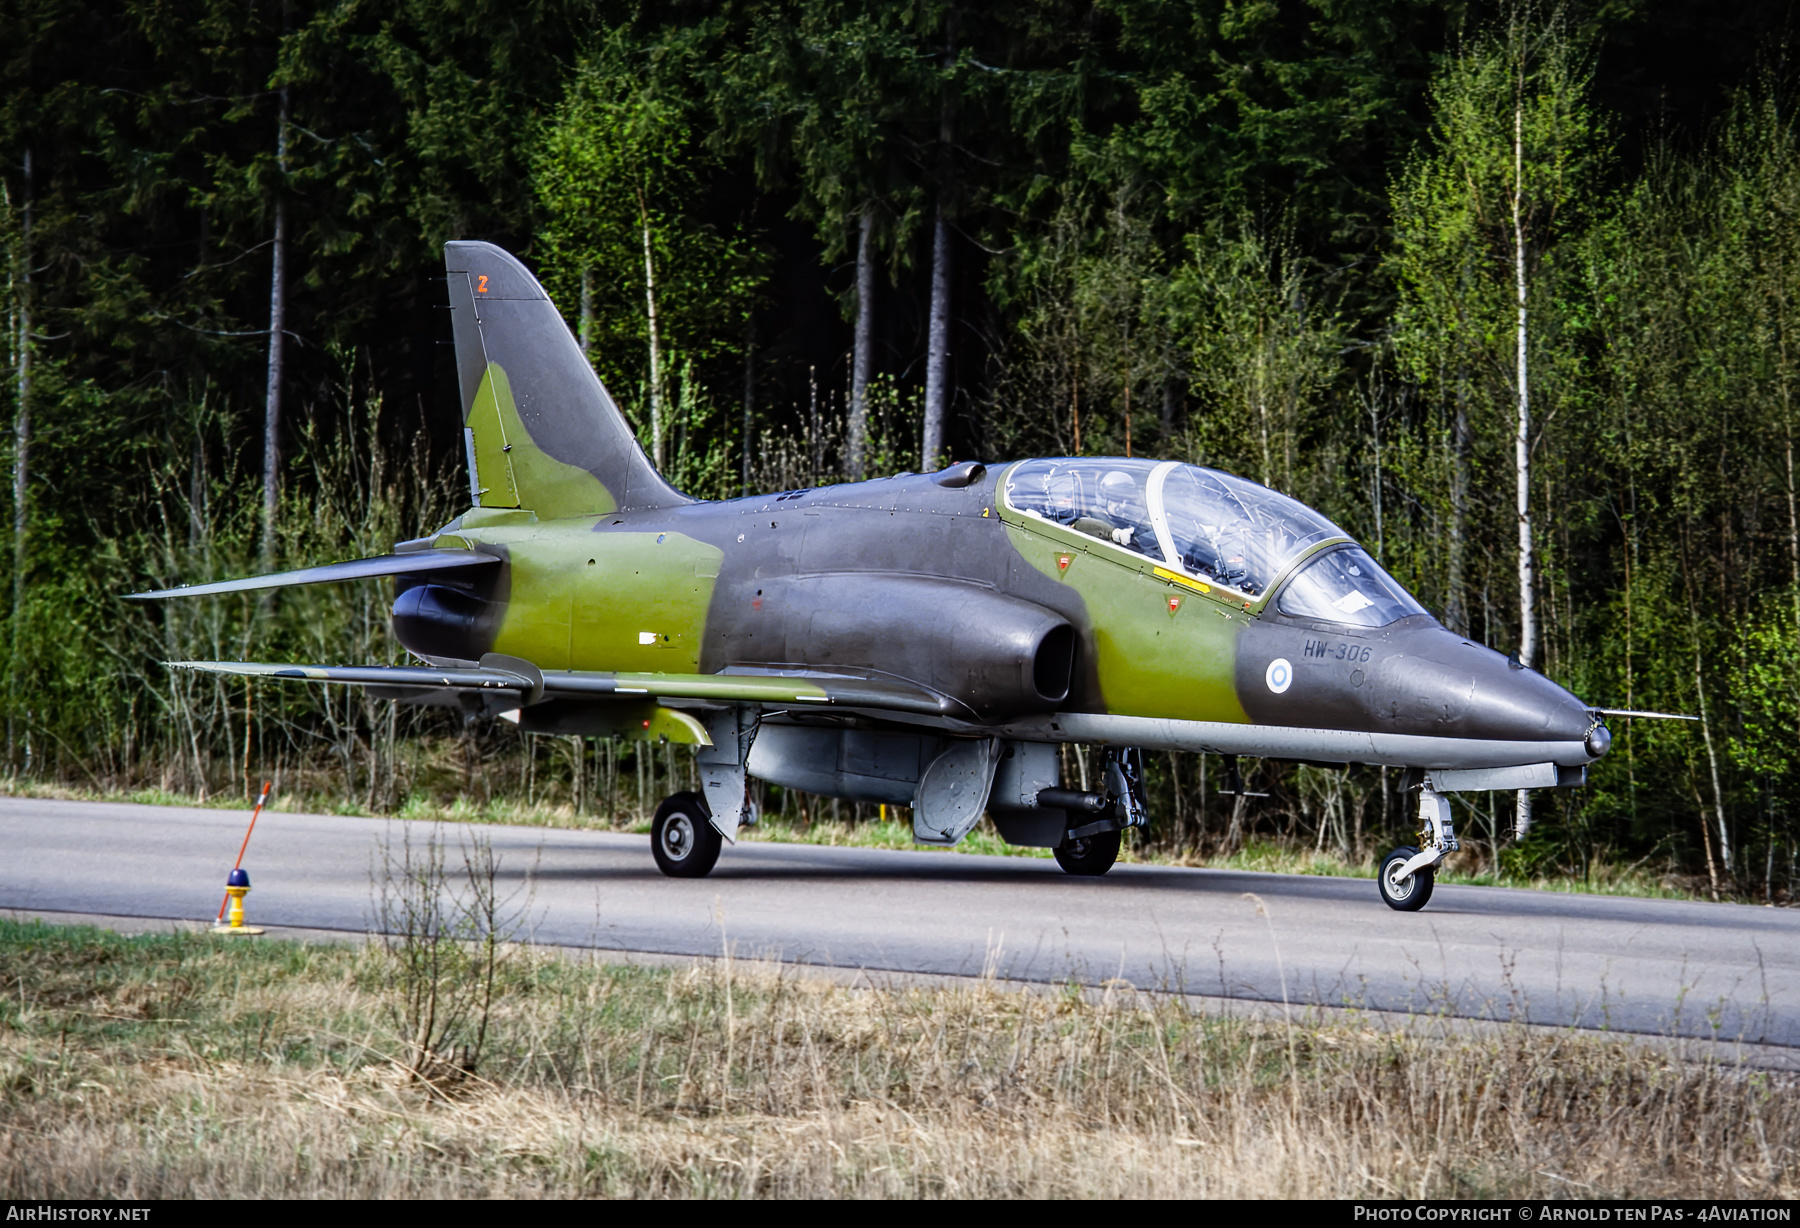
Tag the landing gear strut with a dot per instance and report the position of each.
(1097, 820)
(1408, 874)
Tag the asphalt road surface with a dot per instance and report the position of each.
(1662, 967)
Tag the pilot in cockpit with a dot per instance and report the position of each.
(1121, 517)
(1218, 556)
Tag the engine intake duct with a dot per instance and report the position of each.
(1053, 663)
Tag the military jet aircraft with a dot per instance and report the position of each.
(927, 640)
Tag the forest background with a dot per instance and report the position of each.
(1408, 261)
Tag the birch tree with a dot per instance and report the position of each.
(614, 169)
(278, 261)
(19, 276)
(826, 97)
(1482, 215)
(1262, 352)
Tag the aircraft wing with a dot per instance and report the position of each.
(784, 687)
(416, 563)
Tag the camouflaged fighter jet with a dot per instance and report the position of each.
(925, 640)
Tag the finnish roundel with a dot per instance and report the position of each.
(1279, 675)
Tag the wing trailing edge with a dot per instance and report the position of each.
(786, 688)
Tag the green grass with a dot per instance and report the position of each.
(1460, 868)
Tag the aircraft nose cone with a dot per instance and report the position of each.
(1515, 704)
(1441, 683)
(1413, 678)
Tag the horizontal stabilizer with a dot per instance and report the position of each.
(786, 689)
(482, 679)
(417, 563)
(1655, 716)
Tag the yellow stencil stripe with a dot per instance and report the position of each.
(1163, 573)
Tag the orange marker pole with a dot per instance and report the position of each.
(246, 844)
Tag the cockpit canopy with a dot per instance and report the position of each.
(1346, 586)
(1213, 527)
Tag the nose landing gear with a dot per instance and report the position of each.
(1402, 891)
(1408, 874)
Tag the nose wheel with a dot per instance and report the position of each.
(1407, 874)
(683, 839)
(1399, 890)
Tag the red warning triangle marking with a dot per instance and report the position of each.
(1174, 604)
(1063, 561)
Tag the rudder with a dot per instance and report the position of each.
(540, 430)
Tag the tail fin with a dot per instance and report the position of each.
(541, 432)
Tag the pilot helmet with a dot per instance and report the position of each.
(1117, 491)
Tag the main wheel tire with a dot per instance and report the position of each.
(682, 837)
(1408, 895)
(1090, 856)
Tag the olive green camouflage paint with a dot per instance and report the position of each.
(638, 602)
(622, 602)
(508, 460)
(1163, 647)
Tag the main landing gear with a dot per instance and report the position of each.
(682, 837)
(1097, 821)
(1089, 856)
(1408, 874)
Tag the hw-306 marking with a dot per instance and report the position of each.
(1343, 650)
(926, 639)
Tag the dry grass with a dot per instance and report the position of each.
(181, 1067)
